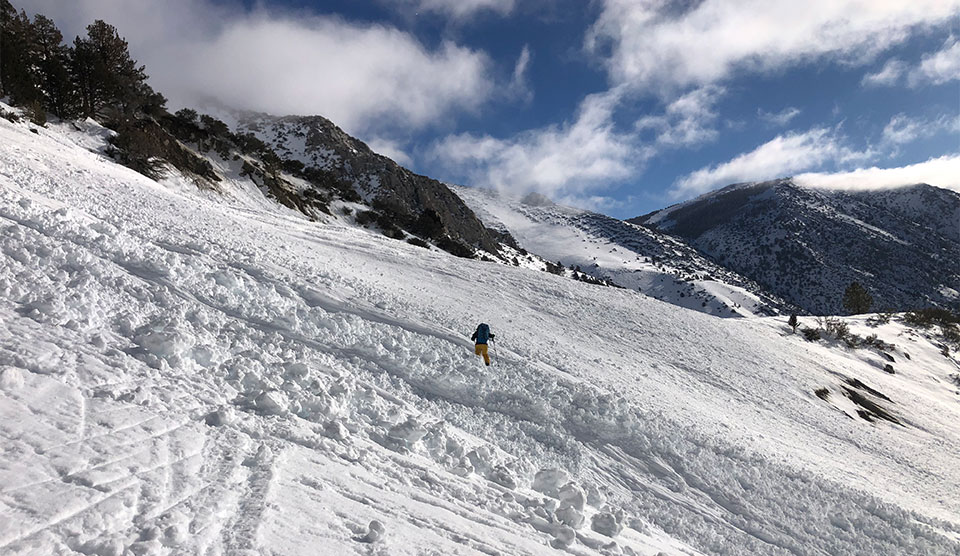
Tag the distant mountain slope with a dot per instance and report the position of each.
(630, 256)
(317, 142)
(806, 245)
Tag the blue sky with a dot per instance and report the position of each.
(623, 106)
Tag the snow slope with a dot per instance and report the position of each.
(629, 255)
(188, 372)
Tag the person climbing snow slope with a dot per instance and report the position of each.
(481, 335)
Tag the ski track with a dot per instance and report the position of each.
(186, 374)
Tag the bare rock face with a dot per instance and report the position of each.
(410, 200)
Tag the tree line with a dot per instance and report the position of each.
(94, 77)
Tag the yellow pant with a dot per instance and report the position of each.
(481, 349)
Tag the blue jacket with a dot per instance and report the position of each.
(482, 334)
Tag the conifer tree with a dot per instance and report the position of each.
(17, 57)
(108, 77)
(7, 13)
(52, 65)
(856, 300)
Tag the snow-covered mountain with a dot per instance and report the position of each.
(807, 245)
(629, 255)
(186, 371)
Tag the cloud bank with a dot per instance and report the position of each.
(364, 77)
(781, 156)
(942, 172)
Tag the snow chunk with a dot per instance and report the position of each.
(503, 477)
(11, 378)
(272, 402)
(410, 431)
(570, 516)
(375, 532)
(572, 495)
(548, 481)
(220, 417)
(607, 523)
(563, 537)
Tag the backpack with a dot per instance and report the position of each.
(483, 333)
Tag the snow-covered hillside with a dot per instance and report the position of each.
(188, 372)
(629, 255)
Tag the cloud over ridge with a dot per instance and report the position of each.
(362, 76)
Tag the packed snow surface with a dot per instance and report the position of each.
(193, 372)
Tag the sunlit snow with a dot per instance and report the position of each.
(185, 371)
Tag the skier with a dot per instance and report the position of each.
(481, 335)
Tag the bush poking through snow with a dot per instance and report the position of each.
(11, 117)
(879, 319)
(810, 334)
(837, 328)
(926, 318)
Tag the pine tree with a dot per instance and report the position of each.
(108, 77)
(793, 322)
(856, 300)
(7, 14)
(17, 57)
(52, 63)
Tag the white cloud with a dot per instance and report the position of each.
(902, 129)
(780, 118)
(519, 86)
(935, 68)
(456, 9)
(782, 156)
(366, 78)
(562, 161)
(888, 75)
(938, 68)
(688, 120)
(663, 46)
(390, 149)
(942, 172)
